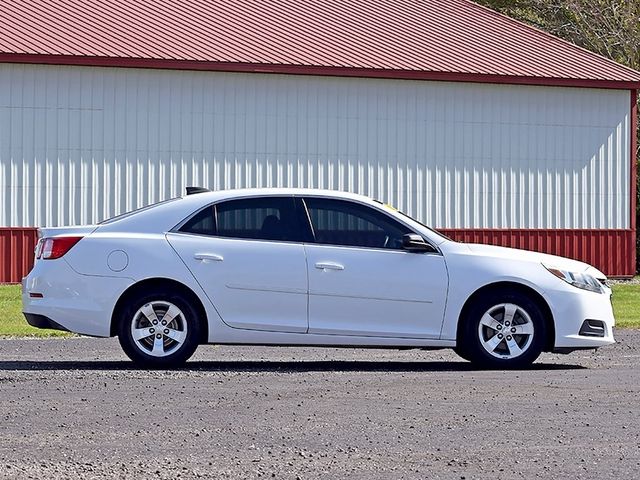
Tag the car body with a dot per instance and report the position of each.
(307, 267)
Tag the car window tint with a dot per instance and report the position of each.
(202, 223)
(266, 218)
(339, 222)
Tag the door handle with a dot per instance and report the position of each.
(329, 266)
(208, 257)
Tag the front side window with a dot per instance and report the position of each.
(265, 218)
(339, 222)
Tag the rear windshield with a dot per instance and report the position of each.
(136, 211)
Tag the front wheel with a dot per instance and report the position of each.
(159, 330)
(502, 331)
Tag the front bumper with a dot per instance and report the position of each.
(573, 308)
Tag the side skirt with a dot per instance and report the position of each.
(229, 336)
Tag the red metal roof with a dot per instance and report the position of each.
(454, 40)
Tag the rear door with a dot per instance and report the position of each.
(248, 257)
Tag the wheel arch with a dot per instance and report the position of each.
(150, 284)
(518, 287)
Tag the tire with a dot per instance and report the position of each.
(147, 341)
(502, 330)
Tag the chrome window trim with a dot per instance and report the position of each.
(176, 229)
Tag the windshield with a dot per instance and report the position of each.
(426, 226)
(136, 211)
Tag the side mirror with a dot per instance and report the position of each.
(415, 243)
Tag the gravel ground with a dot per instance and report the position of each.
(626, 281)
(74, 408)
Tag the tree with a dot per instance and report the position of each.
(608, 27)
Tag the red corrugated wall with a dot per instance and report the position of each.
(16, 252)
(612, 251)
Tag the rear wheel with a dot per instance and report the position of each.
(502, 330)
(159, 329)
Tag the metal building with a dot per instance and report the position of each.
(474, 123)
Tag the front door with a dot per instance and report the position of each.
(247, 256)
(361, 281)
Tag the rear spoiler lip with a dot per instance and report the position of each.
(71, 231)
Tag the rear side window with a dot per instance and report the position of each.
(266, 218)
(339, 222)
(202, 223)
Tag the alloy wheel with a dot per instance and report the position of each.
(506, 331)
(159, 328)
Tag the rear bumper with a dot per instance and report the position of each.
(40, 321)
(67, 300)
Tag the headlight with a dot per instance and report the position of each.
(579, 280)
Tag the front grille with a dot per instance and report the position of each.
(593, 328)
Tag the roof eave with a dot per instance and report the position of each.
(339, 71)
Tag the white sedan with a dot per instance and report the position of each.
(307, 267)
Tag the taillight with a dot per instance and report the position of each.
(56, 247)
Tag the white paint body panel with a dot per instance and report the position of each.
(378, 292)
(81, 303)
(80, 290)
(472, 266)
(80, 144)
(254, 284)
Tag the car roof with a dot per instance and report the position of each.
(166, 215)
(251, 192)
(204, 198)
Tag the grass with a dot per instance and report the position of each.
(626, 305)
(12, 322)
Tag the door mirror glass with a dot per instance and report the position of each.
(415, 243)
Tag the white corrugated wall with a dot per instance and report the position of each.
(79, 144)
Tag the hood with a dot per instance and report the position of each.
(527, 255)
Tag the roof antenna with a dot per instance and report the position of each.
(194, 190)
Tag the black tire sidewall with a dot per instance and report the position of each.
(470, 342)
(178, 357)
